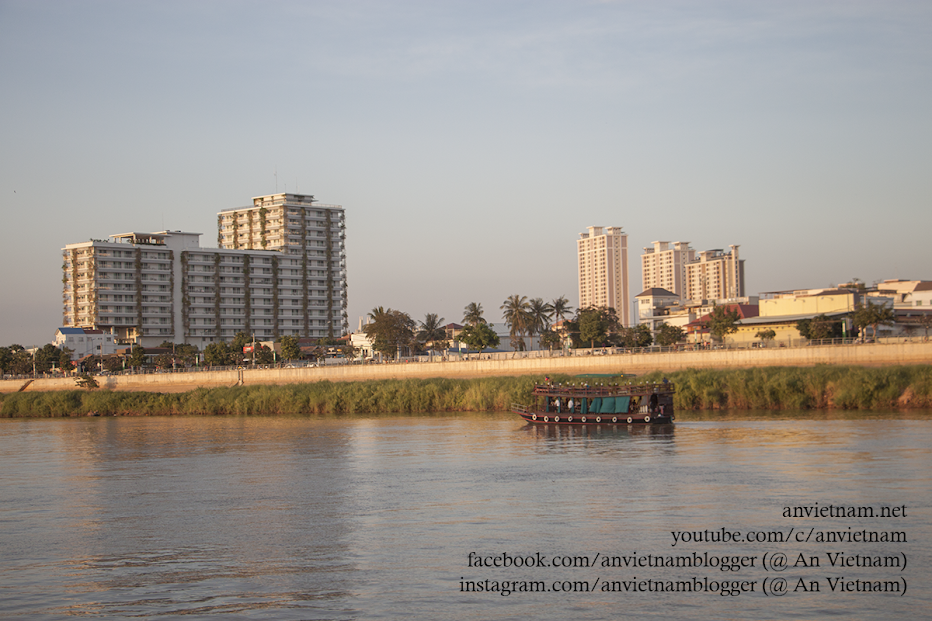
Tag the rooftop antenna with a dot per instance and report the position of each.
(276, 179)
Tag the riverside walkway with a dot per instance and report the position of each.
(579, 362)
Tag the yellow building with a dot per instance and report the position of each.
(810, 302)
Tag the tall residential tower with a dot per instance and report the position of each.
(303, 229)
(664, 267)
(603, 270)
(715, 275)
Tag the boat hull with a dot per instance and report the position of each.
(549, 418)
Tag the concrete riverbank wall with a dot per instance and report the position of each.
(856, 355)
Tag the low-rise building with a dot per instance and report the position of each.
(907, 294)
(86, 342)
(656, 306)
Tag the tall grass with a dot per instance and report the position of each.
(802, 388)
(795, 388)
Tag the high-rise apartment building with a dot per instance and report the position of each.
(298, 226)
(603, 270)
(153, 287)
(715, 275)
(664, 267)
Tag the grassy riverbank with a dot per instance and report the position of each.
(796, 388)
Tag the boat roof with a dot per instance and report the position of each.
(598, 390)
(605, 375)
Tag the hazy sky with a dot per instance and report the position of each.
(471, 142)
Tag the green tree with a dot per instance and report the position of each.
(47, 356)
(184, 354)
(516, 313)
(644, 337)
(219, 354)
(766, 335)
(820, 327)
(472, 314)
(540, 313)
(872, 316)
(595, 325)
(349, 350)
(21, 362)
(264, 354)
(92, 364)
(137, 357)
(925, 322)
(390, 331)
(6, 359)
(638, 336)
(85, 380)
(479, 336)
(669, 335)
(240, 341)
(432, 333)
(561, 308)
(164, 361)
(113, 364)
(64, 360)
(550, 339)
(804, 327)
(722, 322)
(291, 350)
(570, 329)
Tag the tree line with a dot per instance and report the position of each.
(394, 333)
(17, 360)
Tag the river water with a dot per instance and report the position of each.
(367, 518)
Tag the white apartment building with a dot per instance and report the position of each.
(664, 267)
(312, 233)
(152, 287)
(603, 270)
(86, 342)
(714, 275)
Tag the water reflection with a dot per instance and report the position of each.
(271, 518)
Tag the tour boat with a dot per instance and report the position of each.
(599, 404)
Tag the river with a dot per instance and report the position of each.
(384, 517)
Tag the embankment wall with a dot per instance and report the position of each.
(855, 355)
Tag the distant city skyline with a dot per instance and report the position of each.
(469, 142)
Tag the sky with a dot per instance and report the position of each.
(471, 142)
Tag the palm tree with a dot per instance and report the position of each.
(540, 313)
(472, 314)
(561, 308)
(378, 313)
(432, 331)
(517, 317)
